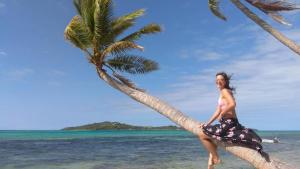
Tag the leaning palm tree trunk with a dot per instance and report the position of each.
(252, 156)
(279, 36)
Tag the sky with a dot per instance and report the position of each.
(47, 84)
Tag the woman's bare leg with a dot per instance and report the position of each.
(212, 150)
(210, 163)
(208, 144)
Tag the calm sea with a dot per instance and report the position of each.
(125, 150)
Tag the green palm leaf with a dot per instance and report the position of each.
(103, 19)
(77, 4)
(96, 32)
(149, 29)
(132, 64)
(272, 8)
(122, 23)
(214, 7)
(120, 47)
(127, 82)
(86, 9)
(78, 34)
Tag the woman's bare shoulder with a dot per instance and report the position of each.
(226, 91)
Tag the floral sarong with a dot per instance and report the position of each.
(231, 131)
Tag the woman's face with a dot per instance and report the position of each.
(220, 82)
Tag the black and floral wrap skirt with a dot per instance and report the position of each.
(231, 131)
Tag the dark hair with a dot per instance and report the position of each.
(227, 79)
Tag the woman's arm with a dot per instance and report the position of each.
(230, 101)
(214, 116)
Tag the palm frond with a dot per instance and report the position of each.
(132, 64)
(215, 9)
(149, 29)
(77, 33)
(97, 33)
(126, 81)
(77, 4)
(272, 7)
(103, 18)
(277, 17)
(122, 23)
(120, 47)
(86, 9)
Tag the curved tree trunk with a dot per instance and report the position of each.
(279, 36)
(252, 156)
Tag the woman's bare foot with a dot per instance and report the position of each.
(210, 167)
(213, 160)
(210, 164)
(216, 160)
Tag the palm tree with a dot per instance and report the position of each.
(271, 8)
(100, 36)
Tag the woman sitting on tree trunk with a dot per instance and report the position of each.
(229, 129)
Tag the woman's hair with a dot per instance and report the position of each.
(227, 79)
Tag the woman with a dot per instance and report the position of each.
(228, 130)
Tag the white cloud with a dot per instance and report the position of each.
(215, 48)
(201, 55)
(267, 76)
(57, 73)
(54, 83)
(55, 77)
(2, 5)
(2, 53)
(18, 74)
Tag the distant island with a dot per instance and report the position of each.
(106, 125)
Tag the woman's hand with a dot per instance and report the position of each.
(202, 125)
(219, 117)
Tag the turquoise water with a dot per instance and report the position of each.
(125, 149)
(60, 134)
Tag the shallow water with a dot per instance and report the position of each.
(125, 150)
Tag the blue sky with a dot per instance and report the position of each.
(46, 83)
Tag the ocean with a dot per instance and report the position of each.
(126, 149)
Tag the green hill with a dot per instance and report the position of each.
(119, 126)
